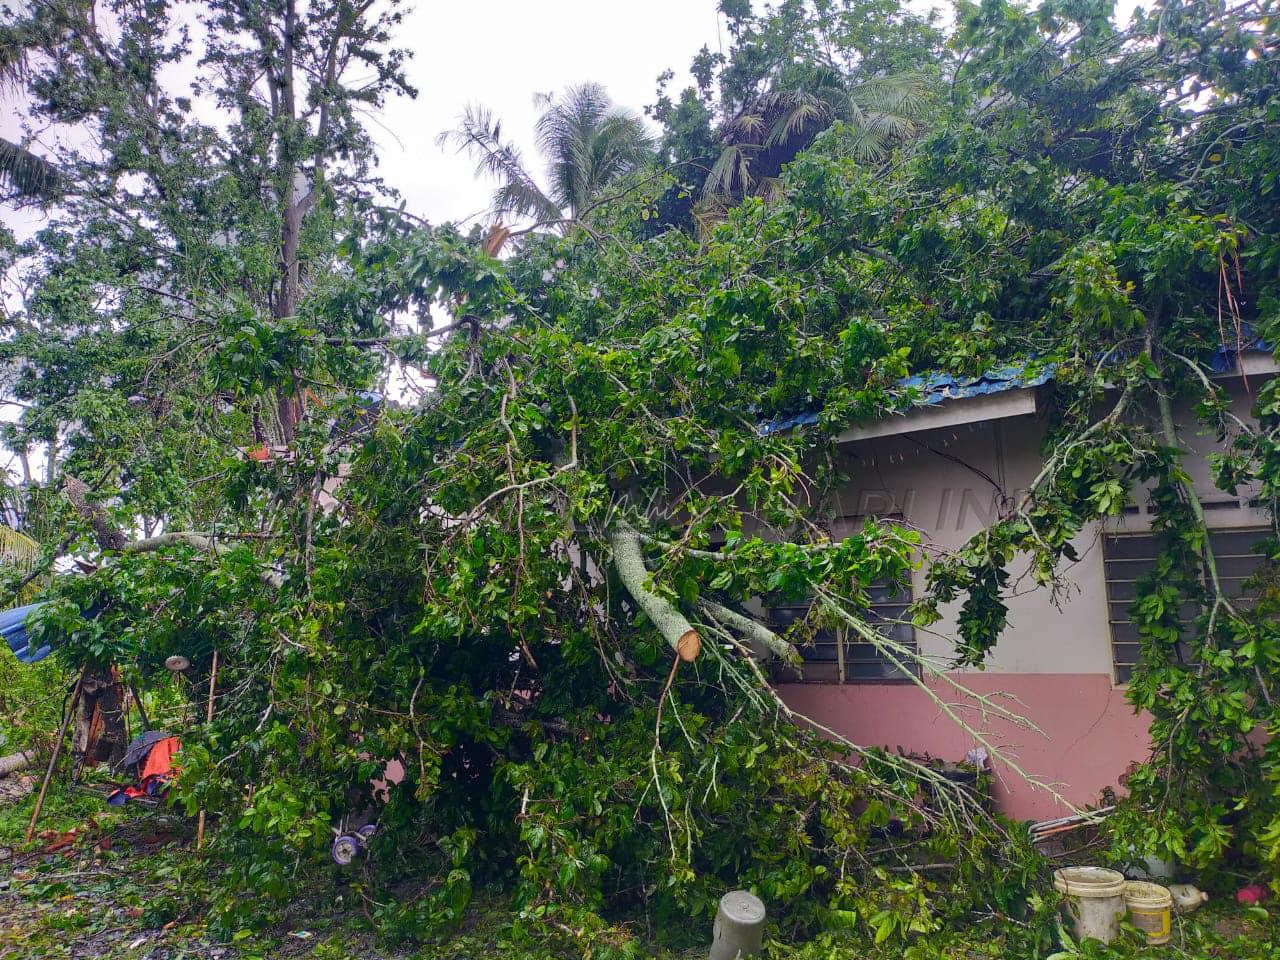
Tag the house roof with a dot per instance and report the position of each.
(933, 389)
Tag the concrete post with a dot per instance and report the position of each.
(739, 928)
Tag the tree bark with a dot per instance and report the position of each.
(289, 401)
(109, 537)
(99, 735)
(768, 643)
(98, 688)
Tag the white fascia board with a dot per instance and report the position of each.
(950, 413)
(1250, 365)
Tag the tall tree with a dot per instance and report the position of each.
(197, 221)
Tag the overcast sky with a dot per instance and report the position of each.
(499, 53)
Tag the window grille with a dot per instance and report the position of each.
(839, 655)
(1128, 557)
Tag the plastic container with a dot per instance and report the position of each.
(1186, 897)
(1095, 900)
(1149, 908)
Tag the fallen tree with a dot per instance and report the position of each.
(544, 582)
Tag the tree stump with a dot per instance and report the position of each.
(739, 927)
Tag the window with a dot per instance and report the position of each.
(840, 656)
(1129, 557)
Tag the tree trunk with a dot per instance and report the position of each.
(289, 399)
(99, 735)
(671, 623)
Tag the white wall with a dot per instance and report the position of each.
(933, 479)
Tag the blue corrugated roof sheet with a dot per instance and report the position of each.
(13, 624)
(1227, 357)
(938, 387)
(935, 388)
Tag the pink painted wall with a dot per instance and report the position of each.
(1091, 734)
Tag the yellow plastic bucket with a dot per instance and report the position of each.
(1150, 906)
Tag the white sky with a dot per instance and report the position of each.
(501, 52)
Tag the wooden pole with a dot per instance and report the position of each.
(142, 711)
(53, 760)
(208, 719)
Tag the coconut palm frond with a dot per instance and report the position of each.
(480, 135)
(903, 95)
(800, 115)
(37, 30)
(17, 549)
(708, 212)
(732, 170)
(34, 510)
(18, 38)
(520, 198)
(749, 124)
(771, 189)
(27, 173)
(13, 59)
(622, 145)
(564, 134)
(588, 142)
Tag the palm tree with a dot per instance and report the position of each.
(587, 140)
(28, 174)
(25, 173)
(785, 119)
(24, 524)
(17, 550)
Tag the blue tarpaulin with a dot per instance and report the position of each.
(13, 624)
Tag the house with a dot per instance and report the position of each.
(945, 467)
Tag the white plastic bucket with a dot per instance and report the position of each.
(1095, 900)
(1149, 907)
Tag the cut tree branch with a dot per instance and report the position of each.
(628, 560)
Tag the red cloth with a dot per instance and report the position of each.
(160, 759)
